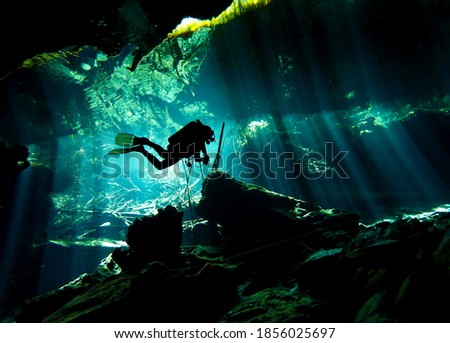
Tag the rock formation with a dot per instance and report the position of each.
(278, 259)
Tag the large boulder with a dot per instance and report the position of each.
(252, 216)
(155, 237)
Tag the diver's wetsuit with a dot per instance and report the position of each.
(172, 154)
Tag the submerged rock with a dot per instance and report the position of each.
(150, 238)
(279, 259)
(198, 291)
(158, 235)
(223, 195)
(252, 216)
(280, 305)
(37, 309)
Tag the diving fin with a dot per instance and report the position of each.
(125, 139)
(117, 151)
(122, 150)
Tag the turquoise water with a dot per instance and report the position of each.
(335, 105)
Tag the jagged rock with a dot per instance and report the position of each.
(441, 256)
(322, 274)
(200, 233)
(156, 236)
(372, 310)
(253, 216)
(406, 228)
(423, 296)
(37, 309)
(199, 291)
(338, 238)
(358, 275)
(207, 251)
(109, 25)
(223, 195)
(149, 238)
(275, 305)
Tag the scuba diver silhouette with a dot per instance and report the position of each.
(188, 143)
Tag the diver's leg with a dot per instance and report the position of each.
(165, 163)
(145, 141)
(153, 160)
(150, 157)
(160, 165)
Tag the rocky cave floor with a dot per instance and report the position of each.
(261, 256)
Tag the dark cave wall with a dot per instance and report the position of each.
(35, 27)
(293, 55)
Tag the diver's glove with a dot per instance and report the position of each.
(206, 159)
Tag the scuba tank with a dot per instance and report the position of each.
(190, 133)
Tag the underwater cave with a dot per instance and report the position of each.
(326, 198)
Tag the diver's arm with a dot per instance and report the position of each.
(205, 157)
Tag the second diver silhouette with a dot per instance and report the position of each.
(188, 143)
